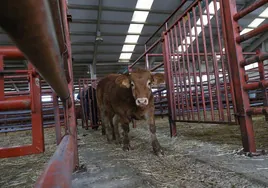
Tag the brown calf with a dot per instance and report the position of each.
(122, 97)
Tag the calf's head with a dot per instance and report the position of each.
(140, 82)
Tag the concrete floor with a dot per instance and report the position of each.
(187, 163)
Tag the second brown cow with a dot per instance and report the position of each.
(122, 97)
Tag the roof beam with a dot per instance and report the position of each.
(104, 44)
(93, 21)
(116, 9)
(83, 52)
(78, 33)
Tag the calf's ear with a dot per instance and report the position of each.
(158, 78)
(122, 81)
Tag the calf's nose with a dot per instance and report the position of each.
(141, 101)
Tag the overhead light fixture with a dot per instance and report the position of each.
(98, 37)
(139, 17)
(135, 28)
(128, 48)
(245, 31)
(256, 22)
(125, 55)
(132, 39)
(264, 14)
(144, 4)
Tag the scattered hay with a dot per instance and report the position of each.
(177, 168)
(24, 171)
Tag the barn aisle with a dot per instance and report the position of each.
(184, 164)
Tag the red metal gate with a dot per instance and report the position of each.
(242, 82)
(32, 102)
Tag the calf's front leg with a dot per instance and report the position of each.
(151, 122)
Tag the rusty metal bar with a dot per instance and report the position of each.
(255, 85)
(249, 9)
(173, 130)
(36, 25)
(60, 166)
(15, 104)
(206, 60)
(199, 65)
(253, 33)
(238, 75)
(257, 111)
(57, 118)
(256, 58)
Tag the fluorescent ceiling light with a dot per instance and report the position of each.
(144, 4)
(140, 16)
(135, 28)
(198, 30)
(128, 48)
(125, 55)
(188, 40)
(132, 39)
(204, 19)
(123, 60)
(264, 14)
(245, 31)
(211, 7)
(256, 22)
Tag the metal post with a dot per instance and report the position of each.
(238, 74)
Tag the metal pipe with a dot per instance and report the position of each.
(249, 9)
(15, 104)
(60, 167)
(256, 58)
(252, 33)
(36, 25)
(57, 17)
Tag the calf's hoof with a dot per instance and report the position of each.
(127, 147)
(158, 152)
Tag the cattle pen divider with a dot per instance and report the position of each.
(202, 85)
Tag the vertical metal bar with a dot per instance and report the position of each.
(2, 83)
(206, 60)
(36, 106)
(57, 118)
(199, 65)
(215, 65)
(147, 66)
(172, 124)
(184, 77)
(238, 75)
(175, 94)
(170, 43)
(81, 103)
(179, 89)
(193, 65)
(228, 69)
(188, 69)
(222, 62)
(262, 77)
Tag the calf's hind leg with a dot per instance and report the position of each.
(116, 121)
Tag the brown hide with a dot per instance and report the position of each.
(122, 97)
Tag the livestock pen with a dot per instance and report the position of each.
(214, 57)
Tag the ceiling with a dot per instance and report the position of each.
(112, 19)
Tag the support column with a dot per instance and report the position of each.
(92, 68)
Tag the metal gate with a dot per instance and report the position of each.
(204, 64)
